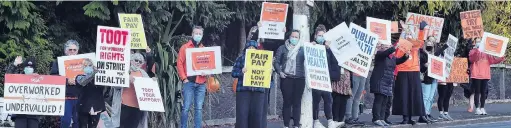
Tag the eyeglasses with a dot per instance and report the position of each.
(139, 61)
(72, 50)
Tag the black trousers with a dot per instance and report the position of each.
(381, 106)
(444, 96)
(265, 110)
(292, 91)
(26, 122)
(130, 116)
(339, 106)
(480, 87)
(88, 121)
(317, 95)
(249, 109)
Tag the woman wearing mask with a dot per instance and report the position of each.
(429, 85)
(92, 100)
(382, 81)
(444, 91)
(131, 115)
(29, 66)
(289, 64)
(249, 100)
(480, 75)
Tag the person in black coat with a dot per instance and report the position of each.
(382, 82)
(92, 100)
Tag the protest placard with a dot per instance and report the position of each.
(380, 27)
(203, 61)
(493, 44)
(317, 75)
(472, 24)
(148, 94)
(436, 67)
(434, 27)
(459, 71)
(404, 45)
(34, 94)
(367, 42)
(452, 43)
(71, 66)
(343, 45)
(259, 68)
(135, 24)
(273, 20)
(113, 56)
(394, 27)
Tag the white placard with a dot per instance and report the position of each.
(203, 61)
(452, 43)
(494, 41)
(343, 45)
(148, 94)
(113, 56)
(273, 20)
(381, 28)
(74, 63)
(436, 67)
(316, 67)
(367, 41)
(434, 27)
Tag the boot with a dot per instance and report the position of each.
(318, 124)
(423, 119)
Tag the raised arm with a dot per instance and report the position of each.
(402, 59)
(496, 60)
(383, 54)
(474, 55)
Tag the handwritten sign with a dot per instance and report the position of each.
(452, 43)
(342, 43)
(404, 45)
(459, 71)
(367, 43)
(273, 20)
(394, 27)
(34, 94)
(113, 56)
(135, 24)
(203, 61)
(259, 68)
(434, 28)
(71, 66)
(316, 67)
(494, 44)
(436, 67)
(472, 24)
(148, 94)
(380, 27)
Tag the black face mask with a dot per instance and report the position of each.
(429, 48)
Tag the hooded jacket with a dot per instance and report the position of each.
(237, 70)
(382, 77)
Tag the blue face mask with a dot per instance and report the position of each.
(88, 70)
(320, 40)
(197, 38)
(28, 70)
(293, 41)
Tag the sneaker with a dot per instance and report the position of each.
(478, 111)
(378, 123)
(339, 124)
(448, 117)
(483, 111)
(443, 117)
(431, 118)
(318, 124)
(332, 124)
(388, 122)
(356, 122)
(384, 123)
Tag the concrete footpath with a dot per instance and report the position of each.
(496, 112)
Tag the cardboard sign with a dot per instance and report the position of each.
(148, 94)
(459, 71)
(317, 75)
(493, 44)
(404, 45)
(434, 27)
(71, 66)
(34, 94)
(472, 24)
(113, 56)
(367, 42)
(394, 27)
(203, 61)
(135, 24)
(343, 45)
(436, 67)
(452, 43)
(273, 20)
(259, 68)
(380, 27)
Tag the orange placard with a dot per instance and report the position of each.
(459, 69)
(472, 24)
(73, 67)
(274, 12)
(203, 60)
(379, 29)
(493, 45)
(394, 27)
(436, 67)
(404, 45)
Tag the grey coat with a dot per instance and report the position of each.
(281, 58)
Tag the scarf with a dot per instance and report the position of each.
(290, 67)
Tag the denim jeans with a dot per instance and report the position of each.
(428, 93)
(353, 104)
(70, 113)
(193, 93)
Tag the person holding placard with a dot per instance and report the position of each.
(131, 115)
(480, 75)
(194, 88)
(444, 91)
(29, 67)
(289, 64)
(407, 93)
(71, 47)
(249, 100)
(382, 82)
(92, 99)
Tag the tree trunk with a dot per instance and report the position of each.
(243, 35)
(301, 9)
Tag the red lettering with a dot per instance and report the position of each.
(102, 31)
(116, 37)
(111, 56)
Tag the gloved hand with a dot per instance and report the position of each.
(423, 25)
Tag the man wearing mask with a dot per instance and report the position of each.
(193, 86)
(71, 47)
